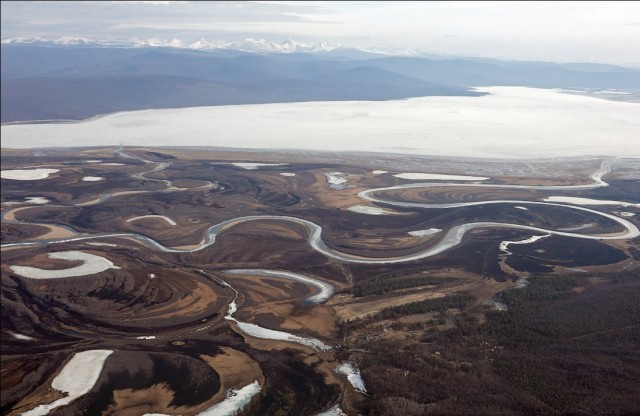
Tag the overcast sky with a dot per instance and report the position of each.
(606, 32)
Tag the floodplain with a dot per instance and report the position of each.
(208, 281)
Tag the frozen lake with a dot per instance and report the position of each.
(511, 122)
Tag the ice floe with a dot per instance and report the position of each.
(167, 219)
(353, 375)
(424, 233)
(76, 379)
(437, 176)
(364, 209)
(92, 264)
(92, 178)
(27, 174)
(588, 201)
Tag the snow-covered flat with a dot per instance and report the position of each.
(588, 201)
(352, 372)
(27, 174)
(365, 209)
(437, 176)
(92, 178)
(92, 264)
(235, 401)
(162, 217)
(510, 122)
(76, 379)
(425, 233)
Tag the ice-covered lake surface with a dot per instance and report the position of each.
(365, 209)
(510, 122)
(588, 201)
(26, 174)
(437, 176)
(91, 264)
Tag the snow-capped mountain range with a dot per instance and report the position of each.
(246, 45)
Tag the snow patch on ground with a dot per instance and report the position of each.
(353, 375)
(288, 174)
(588, 201)
(364, 209)
(425, 233)
(379, 172)
(92, 178)
(146, 337)
(152, 276)
(92, 264)
(112, 164)
(437, 176)
(522, 208)
(27, 174)
(22, 337)
(235, 401)
(335, 410)
(76, 379)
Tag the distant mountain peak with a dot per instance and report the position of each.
(253, 45)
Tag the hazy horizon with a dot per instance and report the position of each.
(590, 32)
